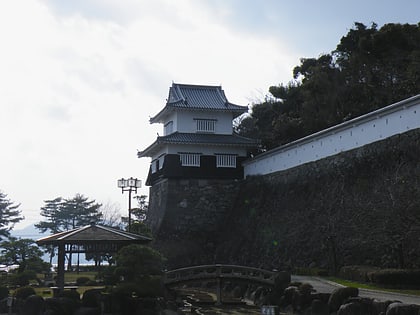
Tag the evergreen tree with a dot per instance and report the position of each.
(9, 215)
(51, 212)
(16, 251)
(78, 211)
(66, 214)
(369, 69)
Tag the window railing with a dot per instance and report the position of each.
(226, 160)
(205, 125)
(190, 159)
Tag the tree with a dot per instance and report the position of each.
(51, 212)
(22, 252)
(78, 211)
(369, 69)
(139, 215)
(136, 261)
(66, 214)
(140, 212)
(111, 215)
(9, 215)
(141, 228)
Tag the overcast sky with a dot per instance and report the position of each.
(79, 79)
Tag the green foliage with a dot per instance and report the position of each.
(65, 214)
(91, 298)
(140, 212)
(50, 211)
(369, 69)
(37, 265)
(23, 252)
(71, 295)
(141, 229)
(396, 277)
(24, 292)
(82, 281)
(22, 278)
(78, 211)
(147, 287)
(4, 292)
(357, 273)
(108, 276)
(9, 215)
(136, 261)
(310, 271)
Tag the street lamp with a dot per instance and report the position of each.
(129, 185)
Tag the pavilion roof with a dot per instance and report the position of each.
(93, 234)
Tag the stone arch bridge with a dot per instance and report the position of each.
(219, 273)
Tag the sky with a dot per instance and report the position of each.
(80, 79)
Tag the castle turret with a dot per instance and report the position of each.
(194, 171)
(198, 139)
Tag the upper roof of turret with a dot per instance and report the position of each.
(197, 97)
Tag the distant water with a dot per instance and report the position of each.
(33, 233)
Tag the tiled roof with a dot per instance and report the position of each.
(199, 139)
(198, 97)
(93, 233)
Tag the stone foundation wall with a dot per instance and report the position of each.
(358, 207)
(185, 217)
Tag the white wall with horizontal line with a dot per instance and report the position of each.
(374, 126)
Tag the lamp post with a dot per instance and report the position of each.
(129, 185)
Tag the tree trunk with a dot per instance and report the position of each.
(400, 253)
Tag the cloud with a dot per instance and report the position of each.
(79, 82)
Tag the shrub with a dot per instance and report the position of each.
(91, 283)
(147, 287)
(357, 273)
(91, 298)
(396, 277)
(22, 278)
(107, 274)
(139, 260)
(24, 292)
(70, 294)
(4, 292)
(82, 281)
(310, 271)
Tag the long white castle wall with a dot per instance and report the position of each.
(374, 126)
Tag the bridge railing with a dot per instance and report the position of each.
(218, 272)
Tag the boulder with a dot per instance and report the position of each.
(356, 306)
(352, 308)
(282, 281)
(402, 309)
(290, 295)
(379, 307)
(33, 305)
(319, 307)
(339, 296)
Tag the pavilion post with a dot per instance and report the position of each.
(60, 267)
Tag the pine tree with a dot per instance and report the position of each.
(9, 215)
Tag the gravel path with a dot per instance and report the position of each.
(325, 286)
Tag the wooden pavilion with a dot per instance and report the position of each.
(91, 238)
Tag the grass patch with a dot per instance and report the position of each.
(360, 285)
